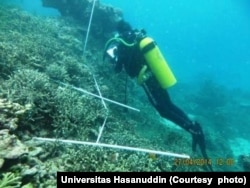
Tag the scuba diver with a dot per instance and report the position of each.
(140, 56)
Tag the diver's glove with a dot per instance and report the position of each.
(199, 139)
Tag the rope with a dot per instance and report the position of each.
(100, 94)
(105, 106)
(114, 147)
(90, 20)
(97, 96)
(118, 40)
(101, 129)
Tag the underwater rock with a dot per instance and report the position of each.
(104, 19)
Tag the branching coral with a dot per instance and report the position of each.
(19, 30)
(28, 86)
(73, 117)
(31, 87)
(10, 180)
(57, 72)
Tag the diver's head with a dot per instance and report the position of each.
(123, 26)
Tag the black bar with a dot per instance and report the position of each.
(168, 179)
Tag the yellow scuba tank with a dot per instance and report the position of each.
(157, 63)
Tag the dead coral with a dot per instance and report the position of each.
(10, 146)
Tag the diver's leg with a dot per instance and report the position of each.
(160, 99)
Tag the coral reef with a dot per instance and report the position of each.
(34, 55)
(38, 55)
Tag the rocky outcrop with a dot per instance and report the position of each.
(104, 19)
